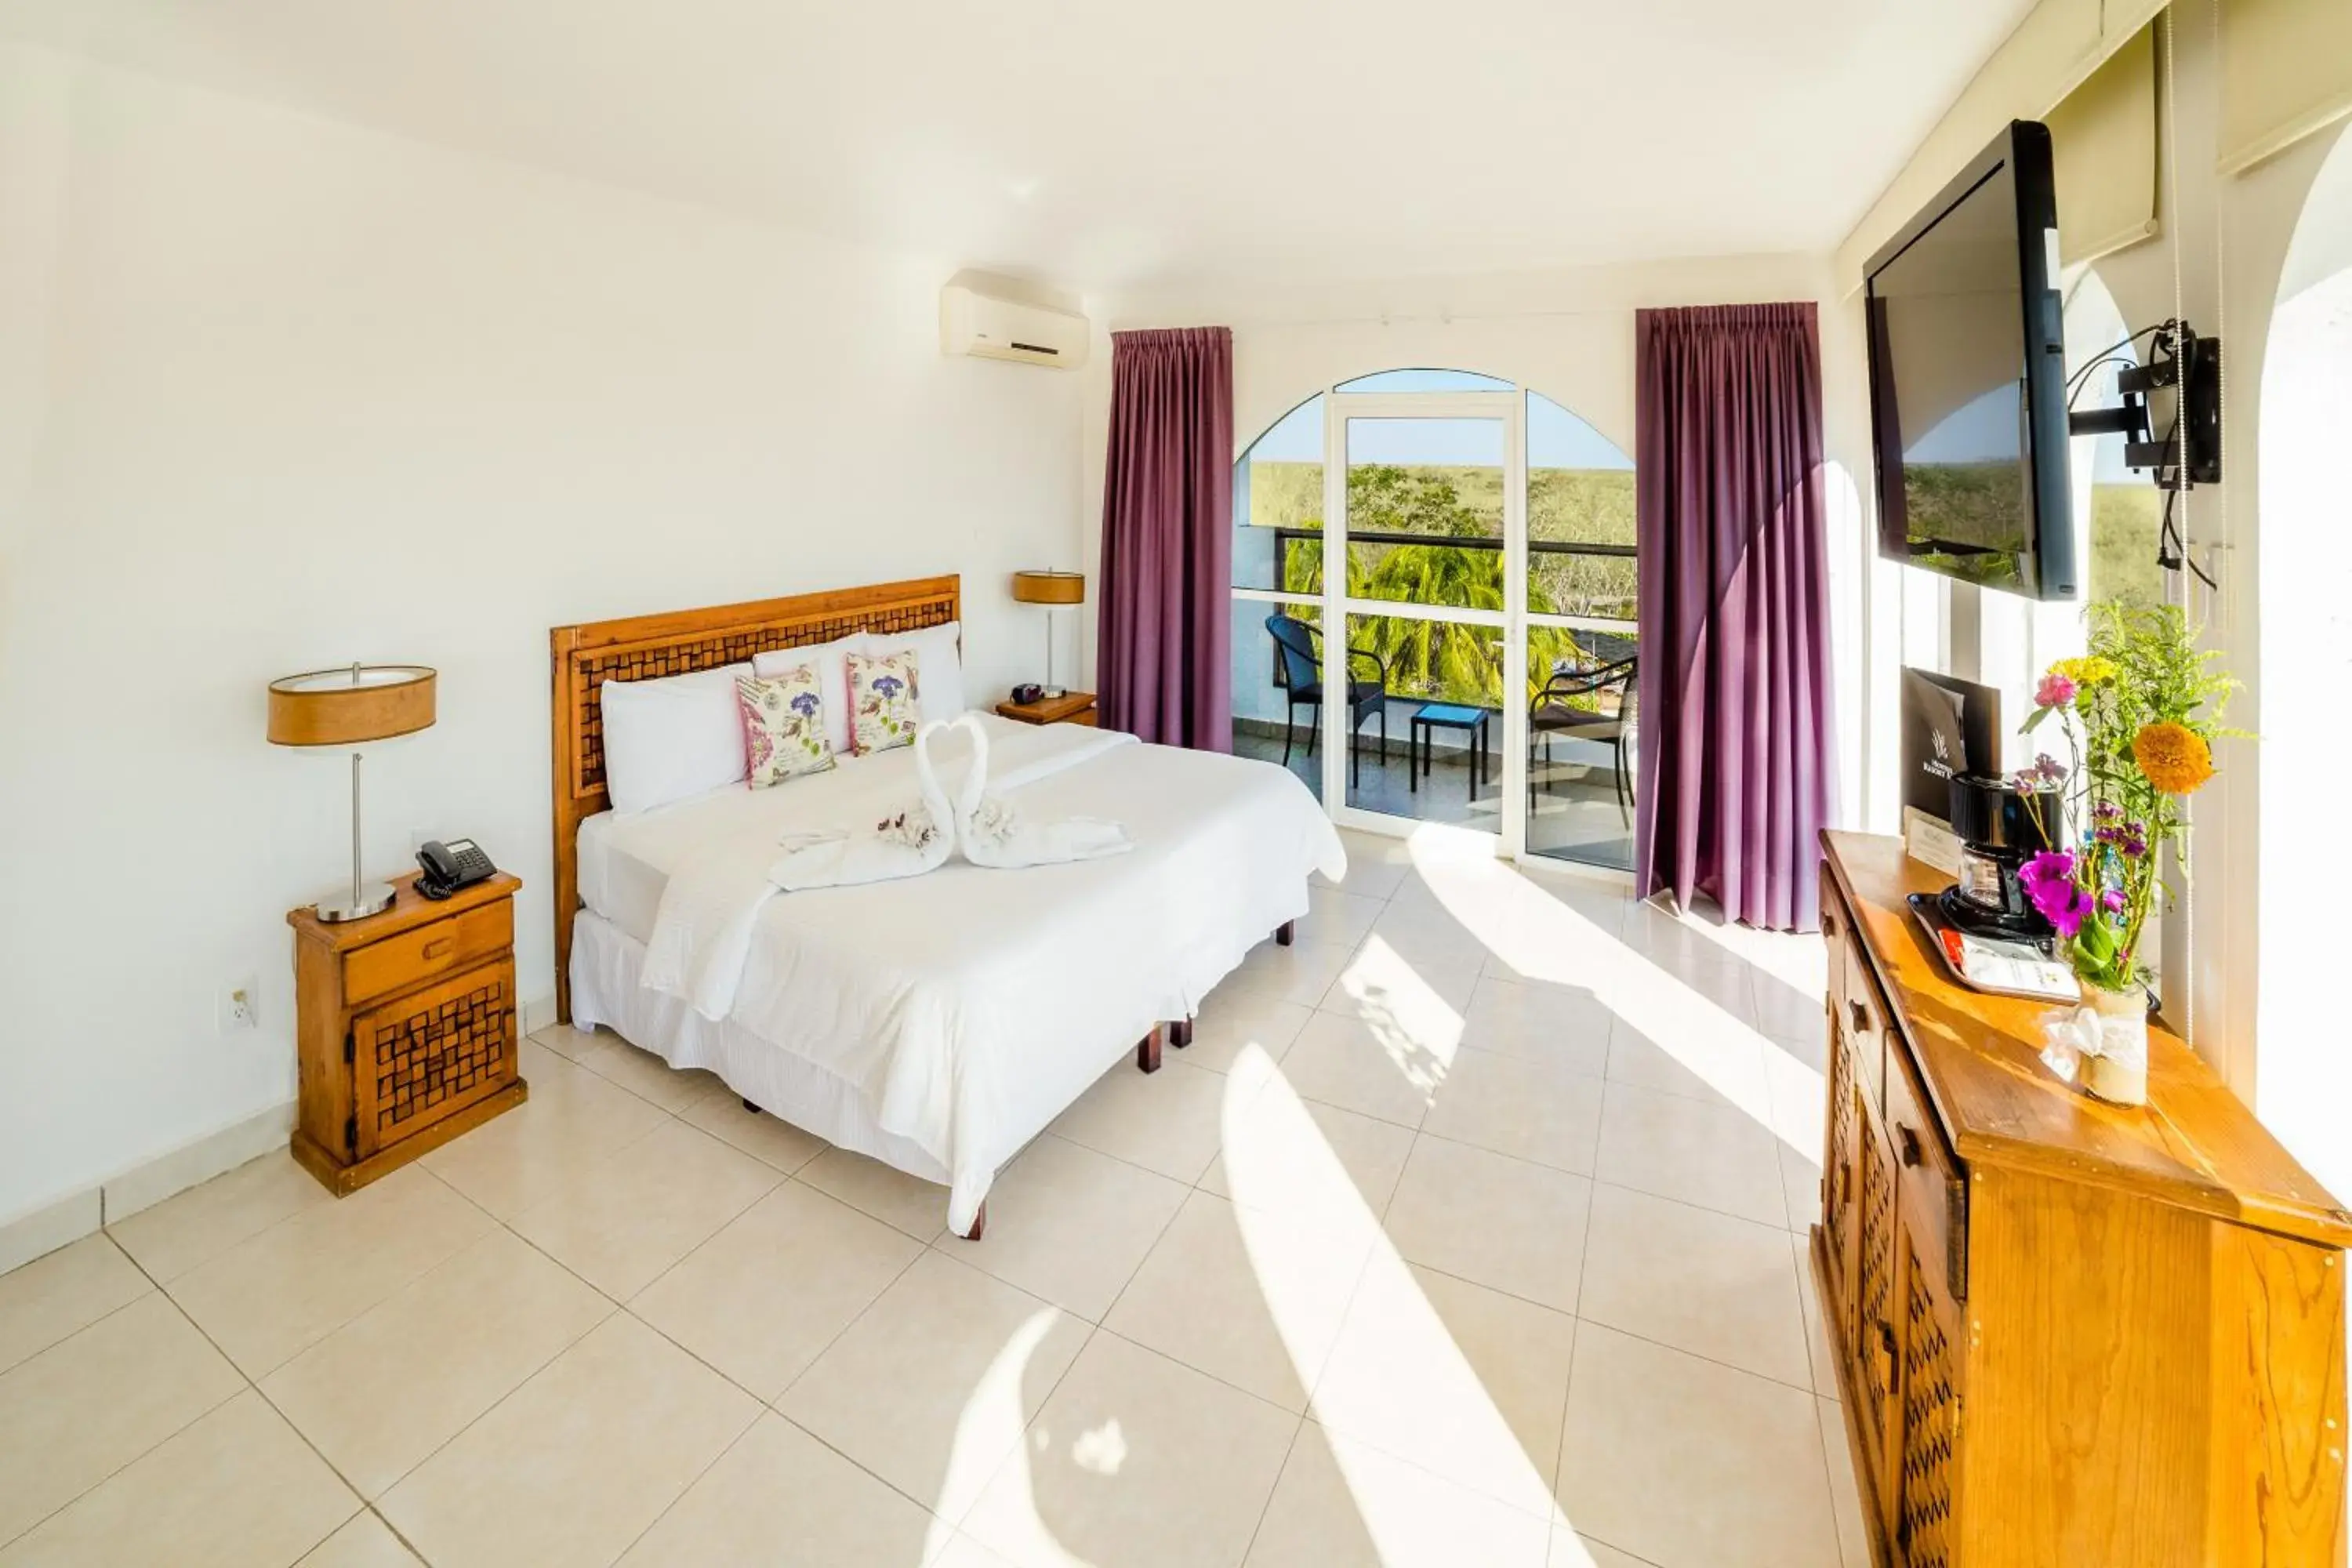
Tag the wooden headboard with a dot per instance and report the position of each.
(645, 647)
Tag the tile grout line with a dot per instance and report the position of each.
(199, 1416)
(759, 1410)
(251, 1385)
(374, 1505)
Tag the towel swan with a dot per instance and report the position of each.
(915, 838)
(991, 832)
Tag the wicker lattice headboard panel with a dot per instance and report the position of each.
(646, 661)
(645, 647)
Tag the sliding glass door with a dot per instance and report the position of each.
(1478, 571)
(1429, 491)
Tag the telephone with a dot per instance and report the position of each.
(446, 867)
(1028, 692)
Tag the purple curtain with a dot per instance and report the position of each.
(1737, 757)
(1162, 656)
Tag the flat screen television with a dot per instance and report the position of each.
(1968, 379)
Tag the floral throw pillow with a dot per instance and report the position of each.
(784, 725)
(884, 709)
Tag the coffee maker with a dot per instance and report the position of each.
(1999, 828)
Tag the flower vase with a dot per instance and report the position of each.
(2118, 1073)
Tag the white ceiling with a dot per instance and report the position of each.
(1103, 144)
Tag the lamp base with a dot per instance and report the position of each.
(373, 899)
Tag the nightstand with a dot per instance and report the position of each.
(1076, 708)
(405, 1029)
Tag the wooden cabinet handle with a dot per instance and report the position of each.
(1907, 1140)
(439, 946)
(1861, 1016)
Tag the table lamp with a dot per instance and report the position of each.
(1053, 590)
(346, 707)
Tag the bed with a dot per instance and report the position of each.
(937, 1024)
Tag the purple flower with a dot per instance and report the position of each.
(888, 685)
(2113, 900)
(2135, 847)
(2049, 881)
(2056, 692)
(2049, 767)
(2050, 866)
(804, 704)
(2106, 811)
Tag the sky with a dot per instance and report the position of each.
(1555, 438)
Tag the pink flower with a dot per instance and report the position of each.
(2056, 692)
(2113, 900)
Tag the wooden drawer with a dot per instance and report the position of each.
(383, 967)
(1933, 1194)
(1863, 1016)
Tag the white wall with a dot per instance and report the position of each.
(276, 394)
(2305, 1083)
(1568, 334)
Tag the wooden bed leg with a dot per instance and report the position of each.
(1180, 1032)
(1286, 933)
(979, 1222)
(1147, 1050)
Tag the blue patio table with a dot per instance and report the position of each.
(1423, 735)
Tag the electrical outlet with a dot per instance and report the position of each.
(239, 1006)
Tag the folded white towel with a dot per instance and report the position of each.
(991, 832)
(911, 838)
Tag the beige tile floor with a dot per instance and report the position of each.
(1468, 1231)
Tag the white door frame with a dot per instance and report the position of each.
(1510, 408)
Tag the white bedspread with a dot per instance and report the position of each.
(934, 995)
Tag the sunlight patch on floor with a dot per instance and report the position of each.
(1267, 1152)
(1410, 1020)
(989, 1431)
(1541, 935)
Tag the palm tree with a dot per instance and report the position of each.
(1447, 660)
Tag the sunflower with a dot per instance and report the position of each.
(2175, 757)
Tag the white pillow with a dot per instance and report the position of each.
(938, 667)
(831, 678)
(672, 738)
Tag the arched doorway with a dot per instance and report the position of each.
(1482, 565)
(2303, 1076)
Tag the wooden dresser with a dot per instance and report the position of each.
(2067, 1332)
(407, 1029)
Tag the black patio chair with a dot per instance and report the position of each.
(1299, 667)
(1552, 713)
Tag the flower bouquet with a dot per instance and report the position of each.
(2139, 712)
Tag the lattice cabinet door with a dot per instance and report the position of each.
(1841, 1176)
(430, 1054)
(1872, 1334)
(1927, 1395)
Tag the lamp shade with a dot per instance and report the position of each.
(1049, 588)
(345, 706)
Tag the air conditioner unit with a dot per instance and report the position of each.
(994, 327)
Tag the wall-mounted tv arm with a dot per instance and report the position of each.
(2188, 368)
